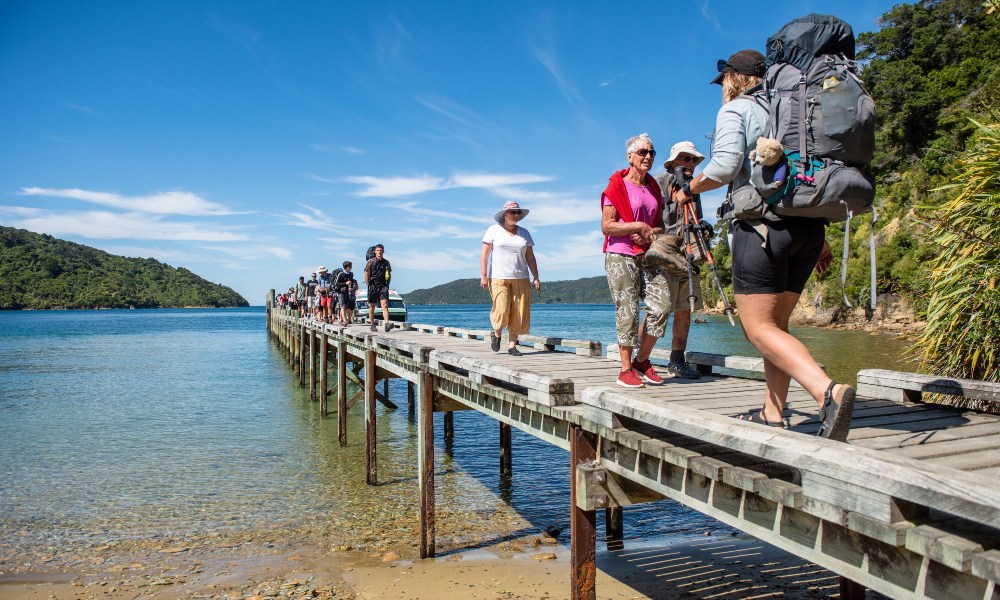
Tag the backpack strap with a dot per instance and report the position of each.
(803, 142)
(843, 262)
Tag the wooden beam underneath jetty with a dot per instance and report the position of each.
(908, 507)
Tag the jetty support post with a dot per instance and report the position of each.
(371, 462)
(324, 373)
(425, 461)
(449, 425)
(506, 471)
(849, 590)
(312, 365)
(342, 392)
(303, 352)
(613, 527)
(583, 523)
(410, 390)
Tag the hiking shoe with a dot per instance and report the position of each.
(682, 370)
(494, 342)
(630, 379)
(513, 351)
(374, 328)
(388, 327)
(647, 372)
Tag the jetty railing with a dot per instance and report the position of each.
(910, 507)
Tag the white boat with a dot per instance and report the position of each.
(397, 308)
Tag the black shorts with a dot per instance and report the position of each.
(793, 247)
(376, 293)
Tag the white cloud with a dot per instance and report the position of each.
(584, 251)
(490, 180)
(551, 64)
(175, 202)
(319, 178)
(451, 260)
(415, 209)
(709, 15)
(391, 187)
(81, 108)
(452, 110)
(106, 225)
(564, 212)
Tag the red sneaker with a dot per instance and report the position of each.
(647, 372)
(630, 379)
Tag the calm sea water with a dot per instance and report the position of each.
(121, 426)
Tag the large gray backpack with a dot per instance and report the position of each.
(824, 118)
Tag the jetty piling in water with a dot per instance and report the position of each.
(910, 507)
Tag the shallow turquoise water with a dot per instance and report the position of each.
(166, 424)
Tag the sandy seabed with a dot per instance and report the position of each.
(714, 567)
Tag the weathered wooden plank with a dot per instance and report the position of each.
(944, 547)
(897, 477)
(987, 565)
(970, 460)
(885, 384)
(910, 435)
(543, 389)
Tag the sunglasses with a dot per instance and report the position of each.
(686, 158)
(722, 64)
(516, 213)
(642, 152)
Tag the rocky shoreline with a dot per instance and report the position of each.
(893, 315)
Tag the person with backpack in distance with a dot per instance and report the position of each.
(631, 216)
(378, 274)
(507, 256)
(325, 292)
(680, 165)
(345, 284)
(772, 255)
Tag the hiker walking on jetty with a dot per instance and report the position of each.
(772, 256)
(504, 264)
(631, 214)
(378, 274)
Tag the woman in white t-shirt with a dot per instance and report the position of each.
(504, 264)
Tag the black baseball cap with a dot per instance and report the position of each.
(744, 62)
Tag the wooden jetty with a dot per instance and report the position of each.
(909, 507)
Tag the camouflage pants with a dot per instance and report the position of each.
(630, 280)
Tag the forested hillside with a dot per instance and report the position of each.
(589, 290)
(931, 68)
(40, 271)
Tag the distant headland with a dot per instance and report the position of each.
(39, 271)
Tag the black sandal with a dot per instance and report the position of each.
(757, 416)
(835, 414)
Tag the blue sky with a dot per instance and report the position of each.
(251, 142)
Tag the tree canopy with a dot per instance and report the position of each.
(39, 271)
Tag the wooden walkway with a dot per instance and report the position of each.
(909, 507)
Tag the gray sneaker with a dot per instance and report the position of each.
(682, 370)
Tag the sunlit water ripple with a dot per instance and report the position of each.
(152, 424)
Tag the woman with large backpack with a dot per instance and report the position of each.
(772, 256)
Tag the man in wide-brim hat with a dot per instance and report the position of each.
(680, 165)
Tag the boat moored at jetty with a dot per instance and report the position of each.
(397, 307)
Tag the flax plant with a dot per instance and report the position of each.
(962, 337)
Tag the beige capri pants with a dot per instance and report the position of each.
(511, 305)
